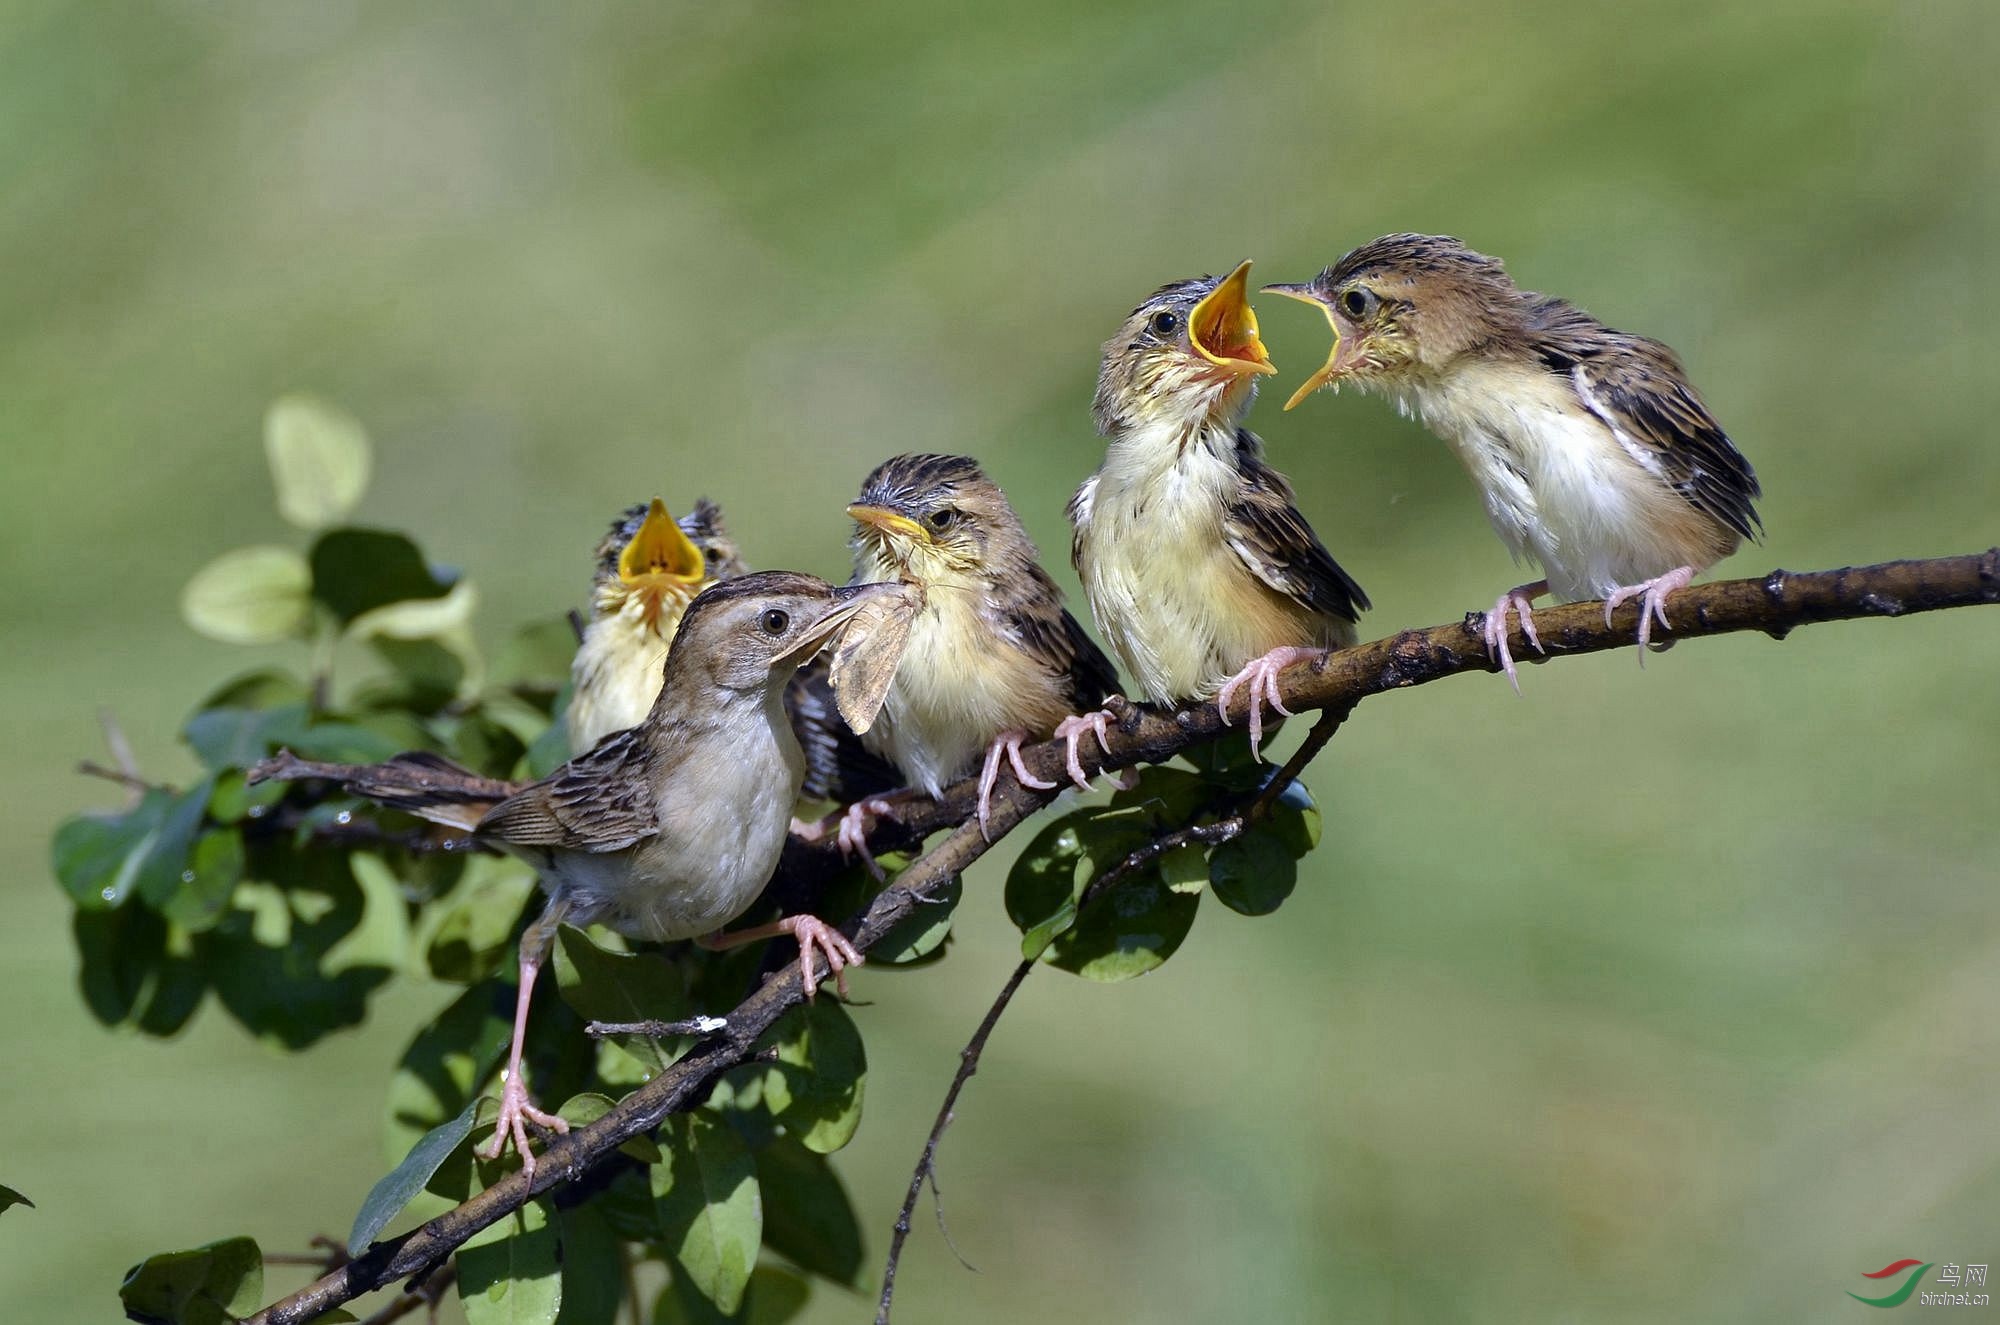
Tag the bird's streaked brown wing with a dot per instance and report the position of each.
(600, 801)
(1270, 536)
(1638, 389)
(1031, 615)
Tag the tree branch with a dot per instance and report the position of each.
(1773, 605)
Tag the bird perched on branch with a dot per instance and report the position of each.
(992, 658)
(667, 830)
(1593, 453)
(1201, 572)
(649, 567)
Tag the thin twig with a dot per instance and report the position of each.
(430, 1295)
(130, 781)
(968, 1063)
(1773, 605)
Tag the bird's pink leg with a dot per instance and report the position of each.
(1652, 595)
(1262, 678)
(850, 829)
(1071, 731)
(1007, 743)
(516, 1109)
(815, 937)
(1519, 599)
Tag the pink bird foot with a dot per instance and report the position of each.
(850, 830)
(1519, 598)
(516, 1111)
(1652, 595)
(1008, 744)
(815, 938)
(1262, 678)
(1071, 731)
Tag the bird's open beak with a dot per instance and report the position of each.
(1223, 327)
(660, 548)
(846, 602)
(1345, 341)
(889, 522)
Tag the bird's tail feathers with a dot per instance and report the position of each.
(426, 785)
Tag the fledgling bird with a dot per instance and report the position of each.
(1201, 572)
(992, 658)
(1594, 455)
(649, 568)
(667, 830)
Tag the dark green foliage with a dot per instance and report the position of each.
(293, 904)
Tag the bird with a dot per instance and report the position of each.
(647, 569)
(1594, 455)
(992, 658)
(667, 830)
(1203, 575)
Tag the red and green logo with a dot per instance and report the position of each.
(1901, 1295)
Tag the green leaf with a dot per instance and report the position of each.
(511, 1273)
(1185, 868)
(1173, 796)
(357, 570)
(808, 1217)
(1041, 887)
(471, 935)
(922, 932)
(210, 1285)
(537, 657)
(214, 868)
(401, 1184)
(231, 737)
(10, 1198)
(446, 1062)
(1296, 820)
(775, 1296)
(710, 1212)
(121, 953)
(1253, 874)
(1128, 931)
(616, 986)
(815, 1087)
(234, 800)
(319, 460)
(268, 956)
(175, 989)
(97, 856)
(251, 595)
(593, 1268)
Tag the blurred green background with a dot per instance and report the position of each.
(1663, 995)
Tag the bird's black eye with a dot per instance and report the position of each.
(943, 518)
(1165, 324)
(1355, 303)
(713, 555)
(774, 621)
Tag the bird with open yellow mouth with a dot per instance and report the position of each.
(1594, 455)
(649, 568)
(1203, 575)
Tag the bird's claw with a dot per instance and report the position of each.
(516, 1111)
(1652, 596)
(851, 837)
(1520, 600)
(817, 938)
(1262, 677)
(1006, 744)
(1071, 731)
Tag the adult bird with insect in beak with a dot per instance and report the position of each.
(992, 658)
(1202, 573)
(1594, 455)
(649, 568)
(668, 830)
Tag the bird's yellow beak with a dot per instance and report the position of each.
(1223, 327)
(1344, 340)
(888, 521)
(660, 548)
